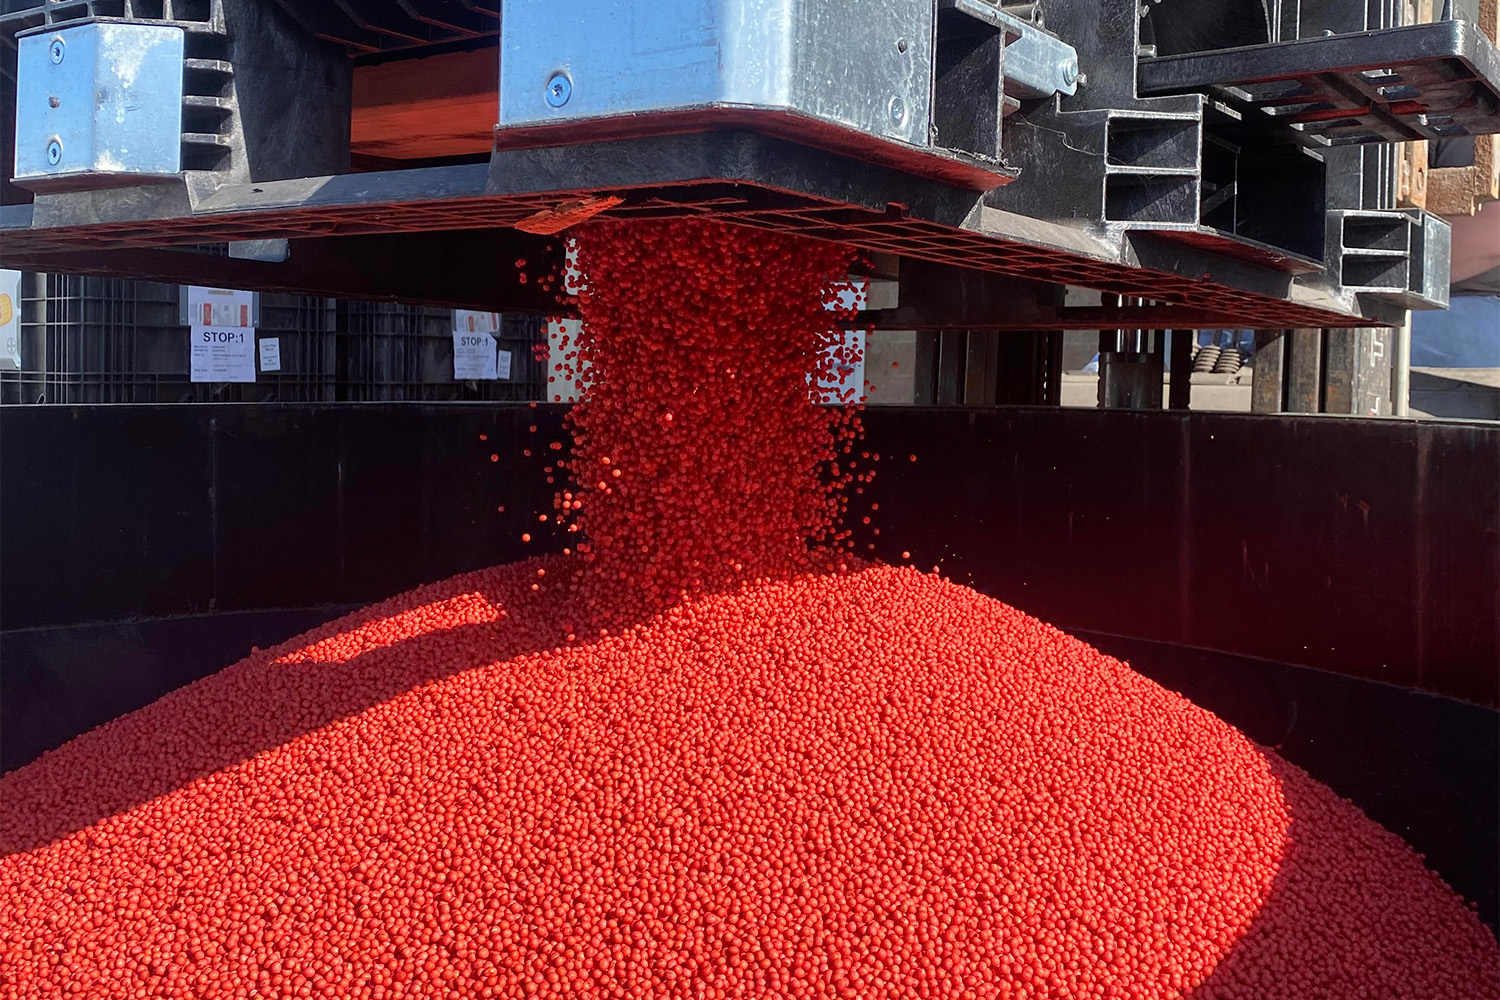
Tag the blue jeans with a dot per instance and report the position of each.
(1467, 335)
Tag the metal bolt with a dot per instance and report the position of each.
(1070, 72)
(559, 89)
(901, 45)
(898, 110)
(58, 50)
(54, 152)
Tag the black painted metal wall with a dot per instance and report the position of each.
(1365, 547)
(1370, 548)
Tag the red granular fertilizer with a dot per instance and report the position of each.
(708, 756)
(701, 458)
(872, 784)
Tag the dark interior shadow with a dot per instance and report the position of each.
(59, 682)
(1422, 766)
(259, 704)
(1331, 880)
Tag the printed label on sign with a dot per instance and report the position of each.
(221, 307)
(469, 321)
(270, 354)
(221, 354)
(473, 356)
(502, 365)
(10, 320)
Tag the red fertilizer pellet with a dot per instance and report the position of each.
(873, 784)
(709, 755)
(694, 352)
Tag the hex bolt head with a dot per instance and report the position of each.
(559, 90)
(898, 110)
(57, 51)
(54, 152)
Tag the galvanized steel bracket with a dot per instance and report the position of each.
(98, 104)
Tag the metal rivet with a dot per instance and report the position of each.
(58, 50)
(901, 45)
(898, 110)
(54, 102)
(559, 89)
(54, 152)
(1070, 72)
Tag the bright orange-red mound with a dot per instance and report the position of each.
(864, 785)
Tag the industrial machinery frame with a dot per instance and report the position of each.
(1223, 176)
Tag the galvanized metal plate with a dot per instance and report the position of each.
(98, 101)
(863, 65)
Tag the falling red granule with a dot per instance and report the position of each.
(702, 457)
(872, 784)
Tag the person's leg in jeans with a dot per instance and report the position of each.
(1466, 335)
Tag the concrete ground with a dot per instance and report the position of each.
(1220, 393)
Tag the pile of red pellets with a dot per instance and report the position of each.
(764, 770)
(869, 784)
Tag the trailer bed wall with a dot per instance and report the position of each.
(1369, 548)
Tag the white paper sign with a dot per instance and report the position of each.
(270, 354)
(469, 321)
(223, 354)
(220, 307)
(473, 356)
(502, 365)
(10, 320)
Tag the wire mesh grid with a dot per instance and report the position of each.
(389, 352)
(114, 340)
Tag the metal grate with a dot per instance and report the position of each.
(94, 340)
(744, 204)
(1426, 81)
(384, 27)
(389, 351)
(112, 340)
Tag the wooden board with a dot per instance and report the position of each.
(418, 109)
(1462, 190)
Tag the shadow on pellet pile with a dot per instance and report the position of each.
(1294, 939)
(261, 703)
